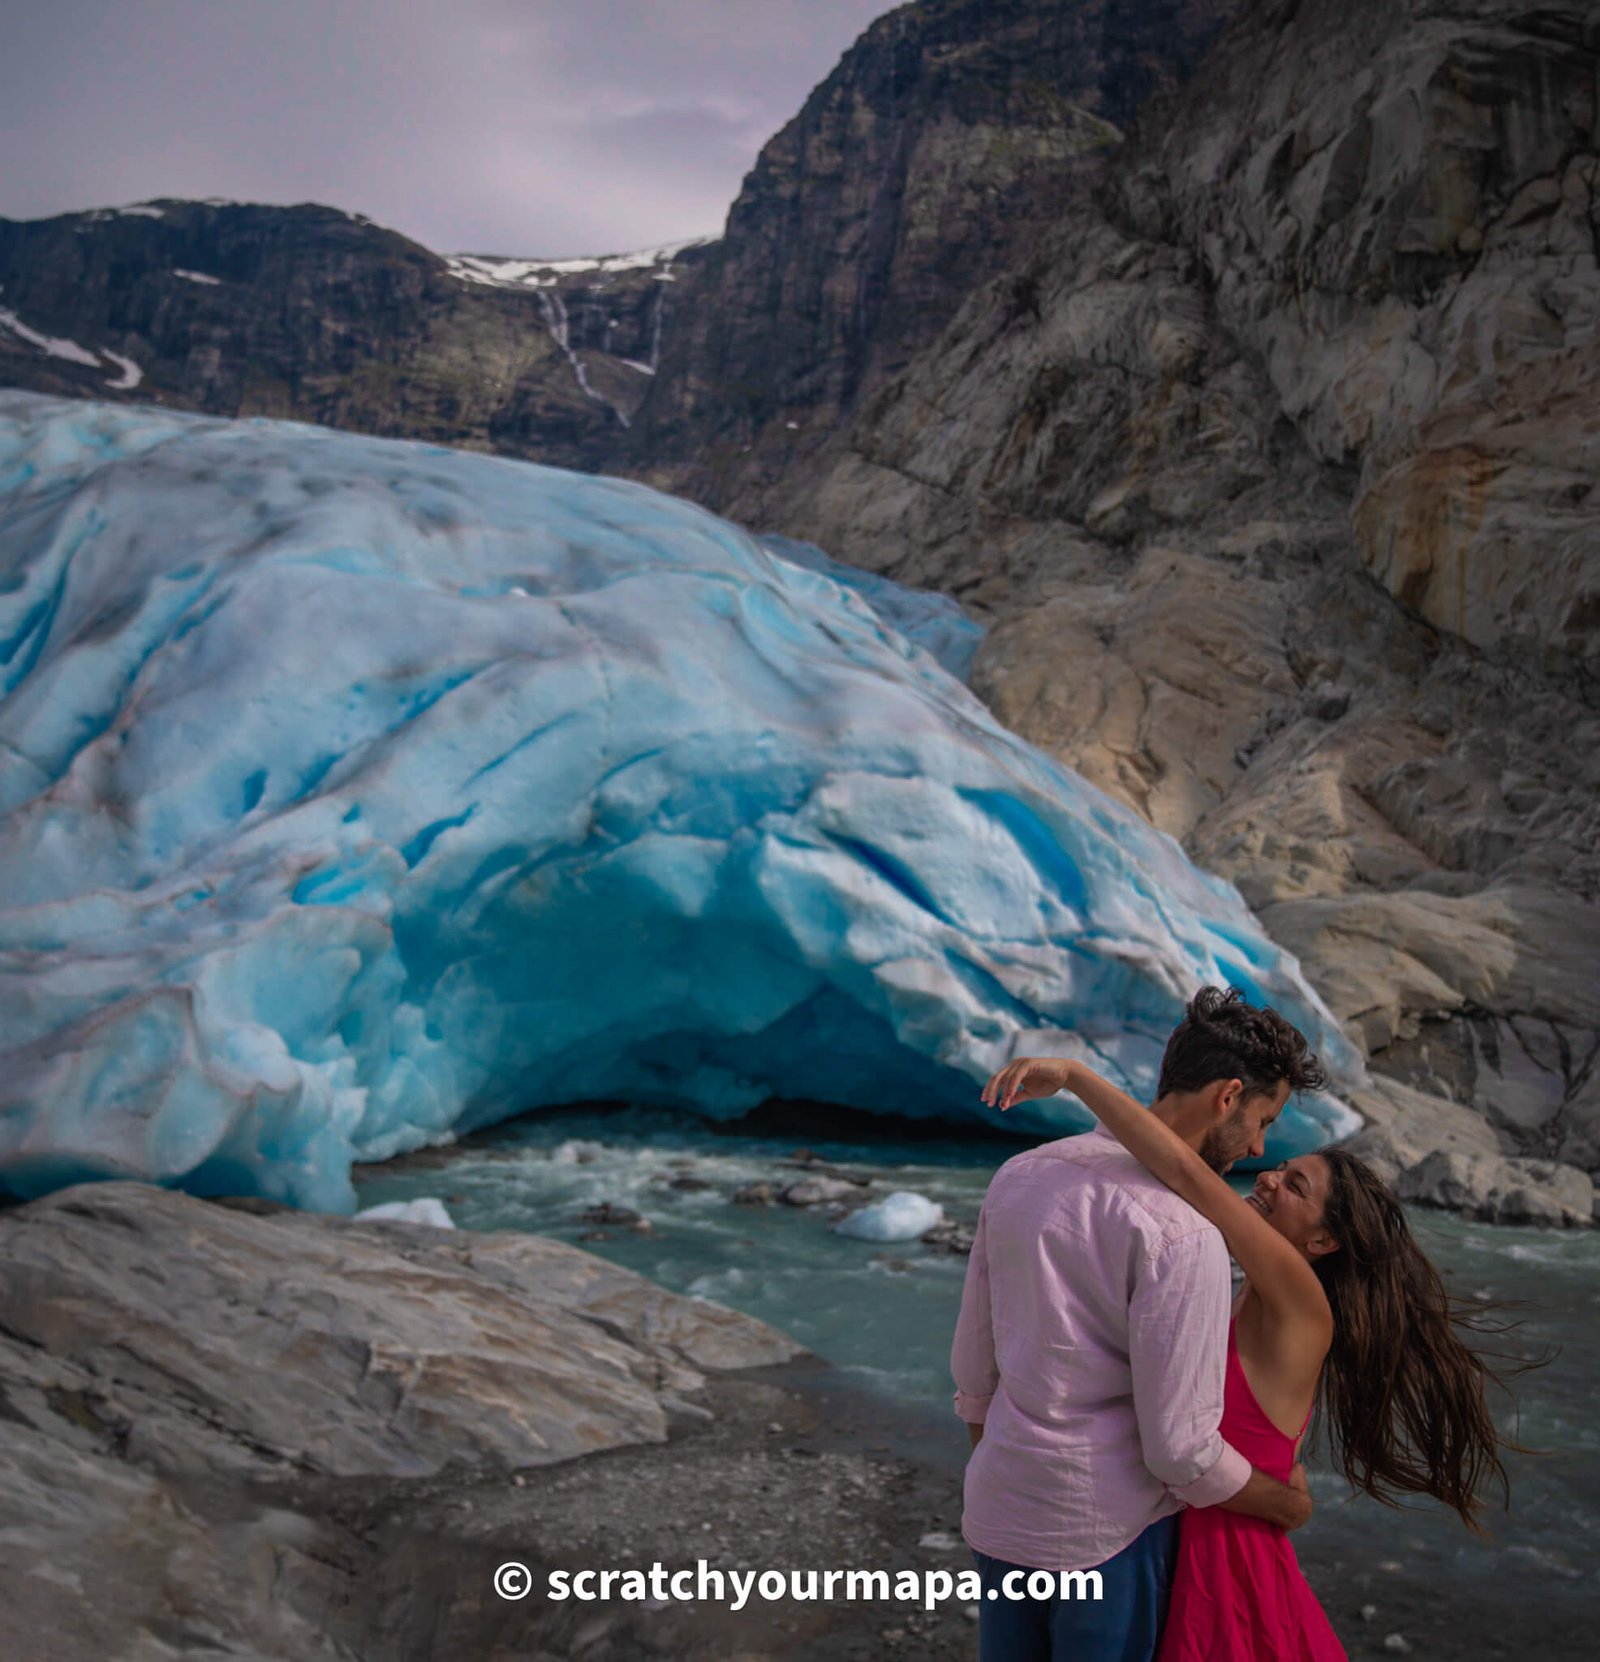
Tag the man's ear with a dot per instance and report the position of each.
(1226, 1095)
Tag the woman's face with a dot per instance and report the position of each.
(1293, 1199)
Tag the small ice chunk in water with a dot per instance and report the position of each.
(426, 1210)
(576, 1151)
(902, 1216)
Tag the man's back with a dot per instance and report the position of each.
(1091, 1345)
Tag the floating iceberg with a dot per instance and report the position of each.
(355, 794)
(902, 1216)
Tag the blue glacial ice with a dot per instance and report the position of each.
(901, 1216)
(355, 794)
(934, 622)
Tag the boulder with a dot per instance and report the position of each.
(820, 1191)
(181, 1380)
(391, 1349)
(1501, 1190)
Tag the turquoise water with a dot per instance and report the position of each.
(883, 1314)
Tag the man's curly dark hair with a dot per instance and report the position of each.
(1222, 1037)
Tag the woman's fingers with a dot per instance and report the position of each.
(1017, 1080)
(1005, 1084)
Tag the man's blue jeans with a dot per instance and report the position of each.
(1123, 1625)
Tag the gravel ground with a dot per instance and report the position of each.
(781, 1478)
(795, 1471)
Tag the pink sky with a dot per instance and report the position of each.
(551, 127)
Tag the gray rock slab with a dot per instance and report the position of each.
(168, 1365)
(213, 1335)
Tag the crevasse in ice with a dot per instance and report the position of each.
(358, 793)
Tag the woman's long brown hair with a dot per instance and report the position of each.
(1402, 1397)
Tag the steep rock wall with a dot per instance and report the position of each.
(1399, 216)
(936, 156)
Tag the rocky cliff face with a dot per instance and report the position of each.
(321, 316)
(950, 137)
(1399, 217)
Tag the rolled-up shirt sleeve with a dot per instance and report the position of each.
(972, 1360)
(1177, 1350)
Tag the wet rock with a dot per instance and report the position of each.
(1500, 1189)
(612, 1214)
(576, 1151)
(951, 1237)
(816, 1165)
(819, 1191)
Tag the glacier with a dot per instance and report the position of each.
(357, 793)
(934, 622)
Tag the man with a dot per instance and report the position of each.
(1091, 1345)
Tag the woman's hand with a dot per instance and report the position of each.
(1026, 1078)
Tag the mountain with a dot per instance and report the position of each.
(948, 142)
(320, 315)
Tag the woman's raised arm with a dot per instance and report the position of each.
(1277, 1271)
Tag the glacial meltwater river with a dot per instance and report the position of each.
(883, 1314)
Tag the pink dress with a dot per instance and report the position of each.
(1238, 1594)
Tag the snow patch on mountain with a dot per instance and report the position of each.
(504, 271)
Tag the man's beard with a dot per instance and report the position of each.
(1224, 1143)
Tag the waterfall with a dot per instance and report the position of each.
(655, 333)
(555, 317)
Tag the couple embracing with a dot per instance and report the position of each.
(1130, 1415)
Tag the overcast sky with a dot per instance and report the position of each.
(545, 127)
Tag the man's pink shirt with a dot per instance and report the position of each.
(1091, 1347)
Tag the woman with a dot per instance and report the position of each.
(1340, 1308)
